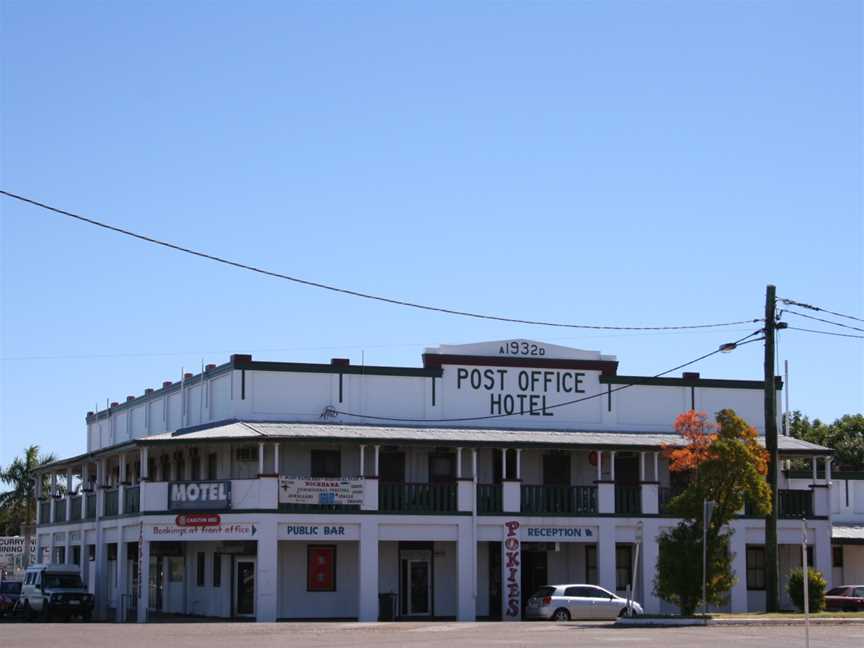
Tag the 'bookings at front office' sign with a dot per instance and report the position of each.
(199, 495)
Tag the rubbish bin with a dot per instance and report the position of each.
(387, 606)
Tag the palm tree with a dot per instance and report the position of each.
(18, 506)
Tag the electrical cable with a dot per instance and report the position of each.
(792, 302)
(849, 335)
(333, 411)
(820, 319)
(355, 293)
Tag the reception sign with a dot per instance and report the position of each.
(171, 531)
(321, 491)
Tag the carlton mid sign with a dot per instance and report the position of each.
(199, 495)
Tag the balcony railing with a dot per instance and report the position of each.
(489, 498)
(793, 504)
(132, 499)
(665, 495)
(111, 500)
(796, 503)
(417, 498)
(628, 500)
(551, 500)
(44, 512)
(75, 508)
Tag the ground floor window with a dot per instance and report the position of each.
(321, 568)
(217, 570)
(200, 566)
(623, 566)
(837, 556)
(591, 564)
(755, 568)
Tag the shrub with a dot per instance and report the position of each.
(815, 589)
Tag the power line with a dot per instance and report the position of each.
(355, 293)
(792, 302)
(820, 319)
(332, 411)
(849, 335)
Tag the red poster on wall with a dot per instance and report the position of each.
(321, 569)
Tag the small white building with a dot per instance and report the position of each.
(281, 490)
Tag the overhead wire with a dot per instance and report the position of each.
(792, 302)
(467, 419)
(848, 335)
(822, 319)
(356, 293)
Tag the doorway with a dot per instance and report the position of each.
(244, 586)
(495, 601)
(415, 580)
(535, 573)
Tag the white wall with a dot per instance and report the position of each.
(207, 600)
(296, 603)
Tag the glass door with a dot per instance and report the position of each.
(244, 586)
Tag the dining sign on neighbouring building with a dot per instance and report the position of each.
(321, 491)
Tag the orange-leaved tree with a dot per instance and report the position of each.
(725, 464)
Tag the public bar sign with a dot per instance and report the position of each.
(321, 491)
(199, 495)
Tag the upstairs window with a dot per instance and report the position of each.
(246, 454)
(326, 463)
(442, 467)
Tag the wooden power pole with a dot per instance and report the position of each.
(772, 568)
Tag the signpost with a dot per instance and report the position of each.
(806, 575)
(707, 510)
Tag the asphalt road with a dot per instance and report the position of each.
(359, 635)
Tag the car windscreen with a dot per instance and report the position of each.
(61, 580)
(10, 587)
(543, 592)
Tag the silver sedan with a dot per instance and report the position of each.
(565, 602)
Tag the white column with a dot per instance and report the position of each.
(738, 548)
(612, 465)
(367, 570)
(503, 464)
(144, 580)
(827, 461)
(813, 466)
(606, 554)
(599, 465)
(122, 578)
(276, 459)
(518, 463)
(68, 498)
(123, 469)
(377, 453)
(656, 467)
(474, 464)
(458, 463)
(145, 463)
(85, 560)
(362, 460)
(641, 466)
(266, 581)
(54, 483)
(261, 458)
(466, 572)
(67, 549)
(649, 553)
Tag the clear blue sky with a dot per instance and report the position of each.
(602, 162)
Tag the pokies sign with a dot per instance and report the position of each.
(512, 547)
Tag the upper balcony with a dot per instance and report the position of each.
(332, 477)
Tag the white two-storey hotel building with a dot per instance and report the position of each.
(280, 491)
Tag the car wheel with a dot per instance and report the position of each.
(561, 615)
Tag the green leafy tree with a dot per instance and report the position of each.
(724, 463)
(18, 505)
(815, 589)
(845, 436)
